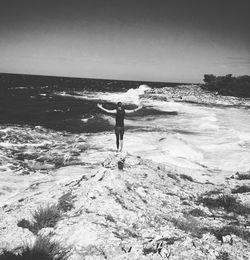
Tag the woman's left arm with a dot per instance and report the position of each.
(129, 111)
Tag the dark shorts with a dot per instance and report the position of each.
(119, 130)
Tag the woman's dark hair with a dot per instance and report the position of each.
(119, 104)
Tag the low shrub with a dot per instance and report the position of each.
(225, 201)
(228, 85)
(24, 224)
(190, 225)
(186, 177)
(212, 192)
(110, 218)
(223, 255)
(47, 216)
(149, 250)
(65, 202)
(230, 230)
(43, 249)
(173, 176)
(197, 213)
(243, 176)
(228, 202)
(43, 217)
(241, 189)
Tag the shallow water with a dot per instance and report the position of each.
(167, 129)
(186, 134)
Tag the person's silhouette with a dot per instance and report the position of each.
(119, 121)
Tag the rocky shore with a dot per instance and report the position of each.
(144, 210)
(196, 94)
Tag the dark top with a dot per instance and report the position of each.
(119, 119)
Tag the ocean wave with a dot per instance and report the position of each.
(86, 119)
(132, 96)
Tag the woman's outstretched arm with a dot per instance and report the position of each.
(128, 111)
(113, 111)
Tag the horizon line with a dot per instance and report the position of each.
(97, 78)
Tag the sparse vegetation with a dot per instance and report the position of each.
(43, 217)
(190, 225)
(43, 249)
(225, 201)
(194, 227)
(230, 230)
(110, 218)
(228, 85)
(243, 176)
(186, 177)
(149, 250)
(197, 213)
(47, 216)
(173, 176)
(228, 202)
(212, 192)
(24, 224)
(58, 162)
(223, 255)
(65, 202)
(241, 189)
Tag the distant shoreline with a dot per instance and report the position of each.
(63, 79)
(228, 85)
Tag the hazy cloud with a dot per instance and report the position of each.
(242, 60)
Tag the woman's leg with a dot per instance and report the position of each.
(121, 139)
(117, 138)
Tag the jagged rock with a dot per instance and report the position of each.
(141, 212)
(195, 94)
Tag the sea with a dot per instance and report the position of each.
(181, 124)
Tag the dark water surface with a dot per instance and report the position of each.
(34, 100)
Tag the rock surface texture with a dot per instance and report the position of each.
(146, 210)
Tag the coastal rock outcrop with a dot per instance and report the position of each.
(145, 210)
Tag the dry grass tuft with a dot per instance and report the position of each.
(241, 189)
(228, 202)
(46, 217)
(186, 177)
(43, 249)
(43, 217)
(243, 176)
(65, 202)
(230, 230)
(173, 176)
(197, 213)
(223, 255)
(190, 225)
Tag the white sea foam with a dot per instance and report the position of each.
(206, 125)
(177, 147)
(162, 105)
(8, 144)
(244, 136)
(132, 96)
(212, 136)
(244, 140)
(85, 120)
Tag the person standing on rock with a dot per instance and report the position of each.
(119, 121)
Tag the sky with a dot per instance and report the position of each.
(152, 40)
